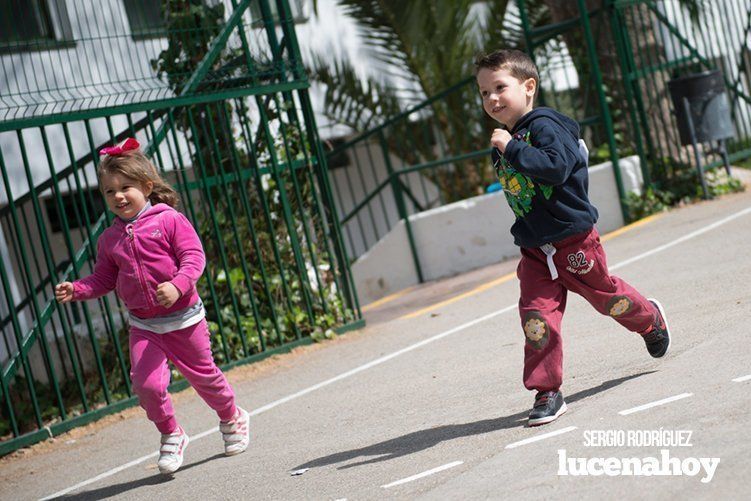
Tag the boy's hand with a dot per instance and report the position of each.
(167, 294)
(64, 292)
(500, 139)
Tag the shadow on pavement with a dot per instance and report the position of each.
(424, 439)
(114, 490)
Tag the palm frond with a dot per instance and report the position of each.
(351, 100)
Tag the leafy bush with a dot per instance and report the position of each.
(647, 203)
(678, 182)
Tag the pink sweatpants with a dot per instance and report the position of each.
(582, 268)
(189, 350)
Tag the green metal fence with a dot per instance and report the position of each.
(410, 164)
(660, 40)
(236, 136)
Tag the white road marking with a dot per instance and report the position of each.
(103, 475)
(386, 358)
(655, 404)
(688, 236)
(537, 438)
(294, 396)
(423, 474)
(742, 378)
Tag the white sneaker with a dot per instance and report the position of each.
(171, 451)
(236, 433)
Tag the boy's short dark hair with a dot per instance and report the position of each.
(518, 63)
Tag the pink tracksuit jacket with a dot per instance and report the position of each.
(134, 258)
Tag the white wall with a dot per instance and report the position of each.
(469, 234)
(351, 184)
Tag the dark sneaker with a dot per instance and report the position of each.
(658, 339)
(549, 405)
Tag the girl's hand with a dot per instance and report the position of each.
(64, 292)
(167, 294)
(500, 139)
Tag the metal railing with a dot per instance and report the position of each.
(660, 40)
(60, 57)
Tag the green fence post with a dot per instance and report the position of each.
(628, 73)
(529, 40)
(604, 108)
(396, 187)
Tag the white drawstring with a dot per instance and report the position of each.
(549, 251)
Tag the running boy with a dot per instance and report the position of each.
(542, 166)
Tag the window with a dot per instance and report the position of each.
(146, 18)
(34, 25)
(298, 9)
(71, 201)
(340, 159)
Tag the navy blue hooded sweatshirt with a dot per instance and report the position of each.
(544, 177)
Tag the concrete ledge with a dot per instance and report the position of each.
(465, 235)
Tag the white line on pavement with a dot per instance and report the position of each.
(381, 360)
(103, 475)
(655, 404)
(385, 358)
(742, 378)
(423, 474)
(537, 438)
(300, 393)
(677, 241)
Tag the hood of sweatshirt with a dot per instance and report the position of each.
(566, 123)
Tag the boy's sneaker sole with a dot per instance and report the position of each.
(667, 326)
(548, 419)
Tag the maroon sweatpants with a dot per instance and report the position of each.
(580, 263)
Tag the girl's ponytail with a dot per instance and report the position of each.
(163, 193)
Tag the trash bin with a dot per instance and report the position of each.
(709, 105)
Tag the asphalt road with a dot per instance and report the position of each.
(432, 406)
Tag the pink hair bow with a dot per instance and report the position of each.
(128, 145)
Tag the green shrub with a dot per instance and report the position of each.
(678, 182)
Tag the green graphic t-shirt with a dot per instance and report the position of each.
(518, 188)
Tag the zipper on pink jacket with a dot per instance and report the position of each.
(131, 238)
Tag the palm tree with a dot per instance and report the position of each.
(401, 38)
(420, 48)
